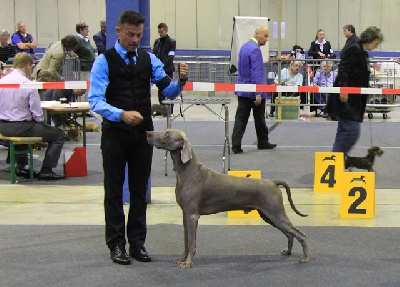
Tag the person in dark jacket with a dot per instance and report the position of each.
(353, 72)
(164, 49)
(320, 48)
(100, 38)
(350, 33)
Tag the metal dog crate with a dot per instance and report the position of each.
(71, 69)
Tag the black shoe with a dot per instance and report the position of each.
(23, 171)
(266, 146)
(237, 150)
(119, 256)
(50, 176)
(140, 254)
(271, 115)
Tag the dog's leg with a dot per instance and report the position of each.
(186, 251)
(191, 227)
(290, 238)
(290, 231)
(288, 251)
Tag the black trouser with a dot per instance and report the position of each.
(52, 135)
(120, 147)
(245, 105)
(161, 97)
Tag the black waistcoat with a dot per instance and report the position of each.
(129, 88)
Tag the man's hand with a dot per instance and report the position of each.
(344, 97)
(258, 100)
(183, 71)
(132, 118)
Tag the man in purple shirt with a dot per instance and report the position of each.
(24, 41)
(323, 78)
(21, 114)
(251, 71)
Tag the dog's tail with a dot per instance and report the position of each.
(289, 194)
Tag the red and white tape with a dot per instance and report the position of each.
(218, 87)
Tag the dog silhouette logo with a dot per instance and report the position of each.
(358, 179)
(329, 158)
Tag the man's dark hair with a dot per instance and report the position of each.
(69, 42)
(371, 34)
(80, 26)
(48, 76)
(350, 28)
(130, 17)
(162, 25)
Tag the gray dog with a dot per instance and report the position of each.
(201, 191)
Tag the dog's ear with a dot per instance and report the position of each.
(186, 152)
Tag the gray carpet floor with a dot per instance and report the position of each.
(292, 160)
(226, 256)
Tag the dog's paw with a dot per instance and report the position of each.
(179, 260)
(185, 264)
(286, 252)
(305, 258)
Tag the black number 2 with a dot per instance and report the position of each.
(363, 195)
(329, 176)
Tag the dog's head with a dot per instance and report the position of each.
(171, 139)
(375, 150)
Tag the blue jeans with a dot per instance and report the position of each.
(347, 134)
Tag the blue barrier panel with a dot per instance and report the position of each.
(125, 189)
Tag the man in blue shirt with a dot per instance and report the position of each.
(120, 93)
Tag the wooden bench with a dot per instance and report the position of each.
(29, 141)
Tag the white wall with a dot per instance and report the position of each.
(207, 24)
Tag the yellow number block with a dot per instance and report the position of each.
(244, 173)
(358, 195)
(329, 168)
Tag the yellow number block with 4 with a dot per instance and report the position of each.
(329, 168)
(358, 195)
(244, 173)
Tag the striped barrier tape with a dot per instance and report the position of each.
(218, 87)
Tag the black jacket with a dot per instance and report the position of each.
(353, 72)
(314, 49)
(162, 48)
(350, 41)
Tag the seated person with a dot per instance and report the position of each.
(7, 50)
(323, 78)
(320, 48)
(289, 77)
(23, 116)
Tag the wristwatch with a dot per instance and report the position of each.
(182, 82)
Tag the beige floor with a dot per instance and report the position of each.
(82, 205)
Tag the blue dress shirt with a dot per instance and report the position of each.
(99, 82)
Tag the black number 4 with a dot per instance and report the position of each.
(363, 195)
(329, 176)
